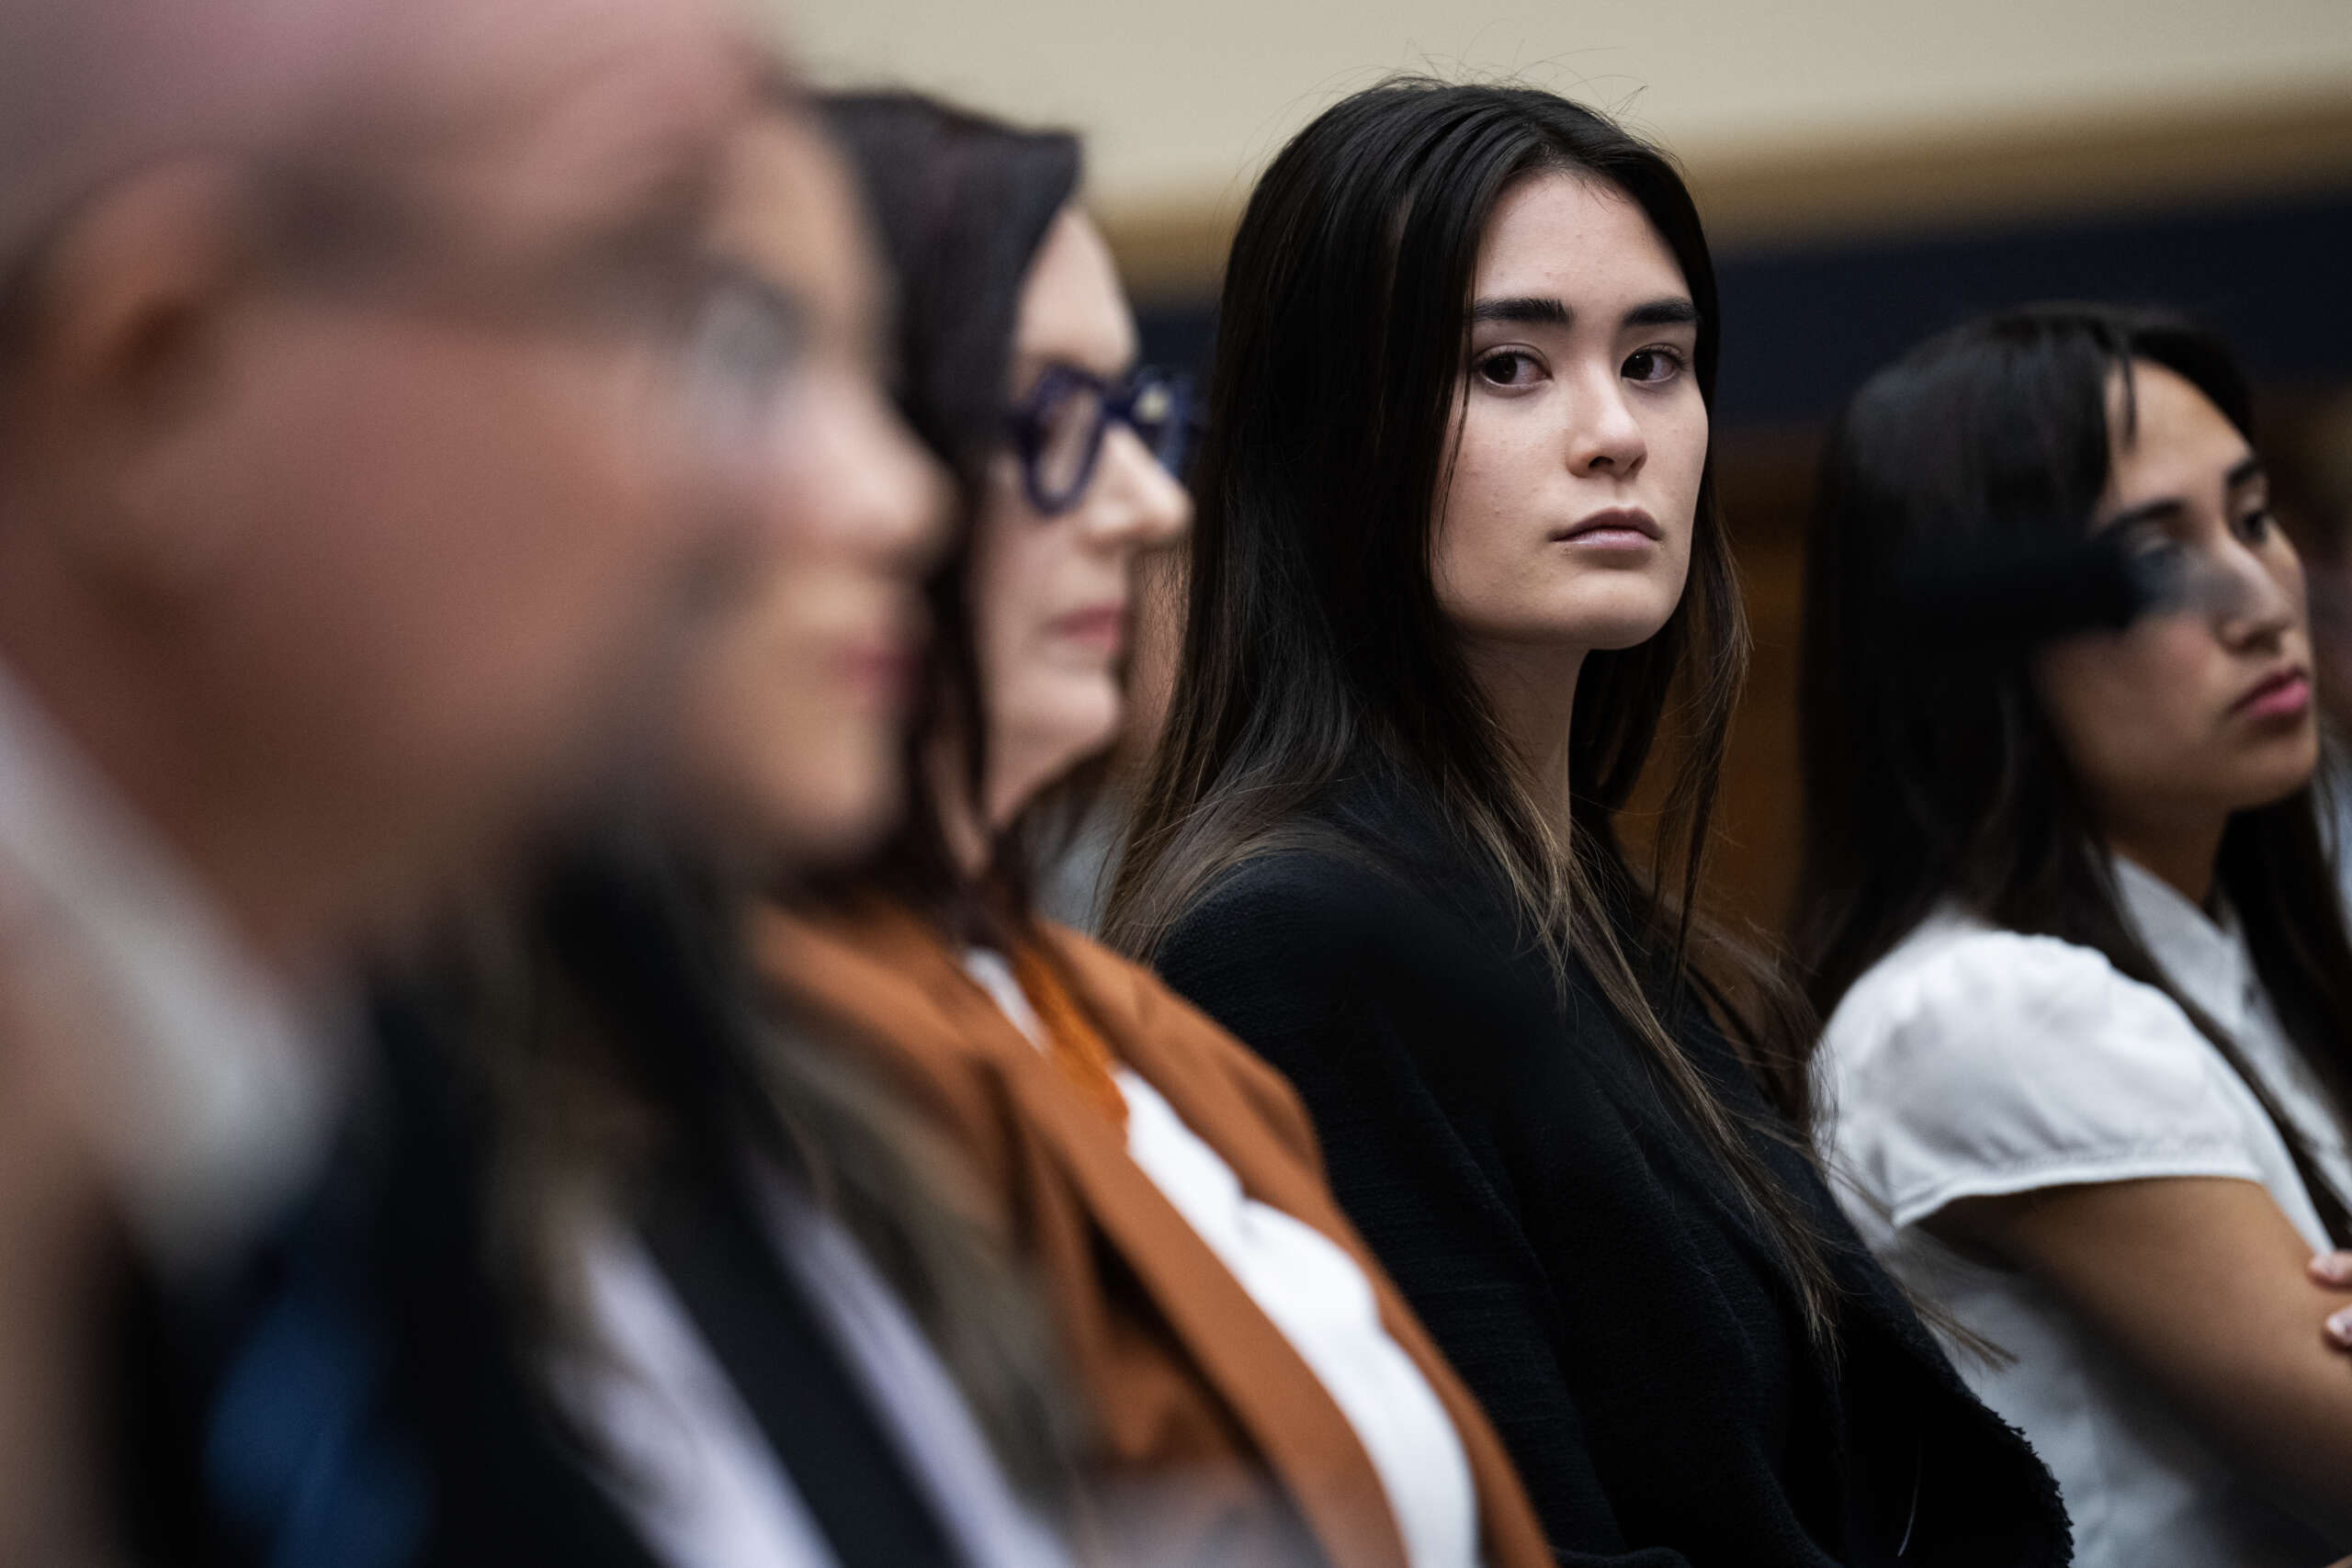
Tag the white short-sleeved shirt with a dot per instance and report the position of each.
(1973, 1061)
(1313, 1293)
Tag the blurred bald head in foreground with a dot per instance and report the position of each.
(344, 476)
(351, 491)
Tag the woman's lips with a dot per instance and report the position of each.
(882, 668)
(1103, 629)
(884, 673)
(2284, 695)
(1618, 528)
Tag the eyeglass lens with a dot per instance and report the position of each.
(1075, 417)
(744, 340)
(1069, 428)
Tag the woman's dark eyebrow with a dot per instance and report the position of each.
(1526, 309)
(2163, 511)
(1675, 312)
(1532, 311)
(2247, 471)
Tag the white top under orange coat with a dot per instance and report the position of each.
(1315, 1295)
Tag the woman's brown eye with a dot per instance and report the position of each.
(1504, 369)
(1652, 365)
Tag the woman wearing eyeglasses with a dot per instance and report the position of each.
(1257, 1390)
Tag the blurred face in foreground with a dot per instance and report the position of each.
(384, 462)
(797, 713)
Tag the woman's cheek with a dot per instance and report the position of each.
(2174, 670)
(1687, 442)
(2132, 707)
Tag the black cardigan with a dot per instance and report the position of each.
(1571, 1243)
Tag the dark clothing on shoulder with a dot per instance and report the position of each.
(361, 1394)
(350, 1394)
(1582, 1257)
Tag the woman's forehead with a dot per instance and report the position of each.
(1072, 309)
(1572, 237)
(789, 211)
(2166, 436)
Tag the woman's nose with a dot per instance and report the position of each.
(1606, 436)
(2249, 604)
(1136, 502)
(892, 497)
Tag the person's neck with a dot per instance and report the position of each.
(2181, 853)
(1017, 775)
(1531, 689)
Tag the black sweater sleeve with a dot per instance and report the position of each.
(1359, 989)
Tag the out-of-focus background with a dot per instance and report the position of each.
(1871, 170)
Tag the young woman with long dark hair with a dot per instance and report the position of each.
(2092, 1028)
(1457, 565)
(1258, 1391)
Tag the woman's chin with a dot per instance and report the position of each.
(1030, 761)
(1604, 616)
(1616, 632)
(825, 810)
(2283, 776)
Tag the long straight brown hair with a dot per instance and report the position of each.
(1313, 636)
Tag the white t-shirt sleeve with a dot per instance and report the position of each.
(1984, 1063)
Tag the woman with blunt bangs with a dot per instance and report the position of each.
(2092, 1027)
(1259, 1392)
(1457, 550)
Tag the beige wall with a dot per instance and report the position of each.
(1182, 100)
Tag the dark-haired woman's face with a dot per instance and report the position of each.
(794, 719)
(1052, 595)
(1568, 520)
(2197, 713)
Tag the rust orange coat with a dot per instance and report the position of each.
(1188, 1381)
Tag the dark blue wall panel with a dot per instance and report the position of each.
(1803, 326)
